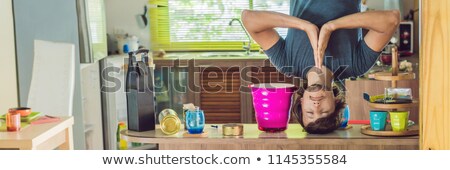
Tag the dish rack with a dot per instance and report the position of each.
(393, 76)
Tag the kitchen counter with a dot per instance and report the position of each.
(215, 59)
(293, 138)
(212, 56)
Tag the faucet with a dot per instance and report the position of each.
(248, 46)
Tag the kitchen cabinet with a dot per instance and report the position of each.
(220, 96)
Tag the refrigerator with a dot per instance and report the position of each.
(169, 93)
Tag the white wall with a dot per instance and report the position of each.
(125, 16)
(8, 74)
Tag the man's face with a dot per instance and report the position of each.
(316, 103)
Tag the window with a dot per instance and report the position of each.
(97, 28)
(198, 25)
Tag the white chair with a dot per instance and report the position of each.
(53, 79)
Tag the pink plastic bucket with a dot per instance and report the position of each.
(271, 102)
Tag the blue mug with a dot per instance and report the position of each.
(378, 120)
(195, 121)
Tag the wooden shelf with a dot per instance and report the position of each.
(415, 103)
(387, 76)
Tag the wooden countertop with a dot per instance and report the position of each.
(40, 136)
(294, 135)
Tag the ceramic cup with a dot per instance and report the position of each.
(378, 120)
(399, 120)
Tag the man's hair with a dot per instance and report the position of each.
(325, 124)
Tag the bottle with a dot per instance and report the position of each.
(122, 143)
(140, 94)
(126, 48)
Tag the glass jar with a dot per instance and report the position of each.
(166, 112)
(195, 121)
(170, 124)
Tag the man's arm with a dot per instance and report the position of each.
(260, 25)
(381, 26)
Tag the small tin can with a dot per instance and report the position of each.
(170, 124)
(232, 129)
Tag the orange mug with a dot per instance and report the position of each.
(13, 121)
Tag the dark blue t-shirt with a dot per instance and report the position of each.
(347, 54)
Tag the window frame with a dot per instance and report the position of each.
(160, 33)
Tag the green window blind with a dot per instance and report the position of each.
(203, 25)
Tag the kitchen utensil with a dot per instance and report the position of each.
(399, 120)
(378, 120)
(13, 121)
(271, 102)
(144, 16)
(195, 121)
(23, 111)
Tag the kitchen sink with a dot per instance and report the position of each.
(208, 55)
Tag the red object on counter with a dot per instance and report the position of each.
(361, 122)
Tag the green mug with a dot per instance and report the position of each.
(399, 120)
